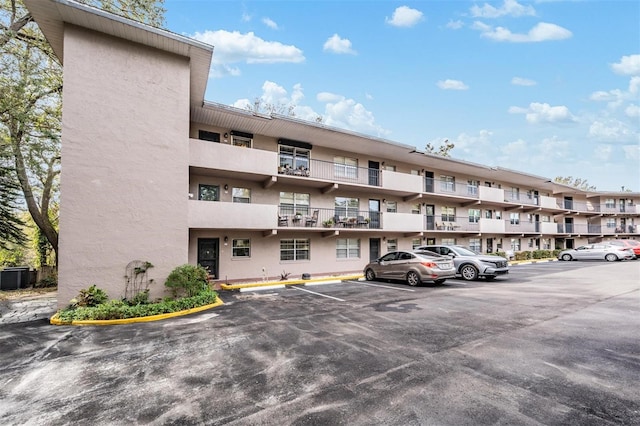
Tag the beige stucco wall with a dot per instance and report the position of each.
(124, 181)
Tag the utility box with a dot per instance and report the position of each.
(14, 278)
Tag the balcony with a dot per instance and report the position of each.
(447, 187)
(519, 226)
(220, 215)
(236, 159)
(340, 218)
(329, 171)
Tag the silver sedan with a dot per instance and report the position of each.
(606, 252)
(414, 268)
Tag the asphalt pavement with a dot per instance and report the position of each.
(550, 344)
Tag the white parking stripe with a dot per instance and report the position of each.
(383, 286)
(318, 294)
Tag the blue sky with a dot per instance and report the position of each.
(546, 87)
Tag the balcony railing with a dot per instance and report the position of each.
(328, 218)
(327, 170)
(439, 186)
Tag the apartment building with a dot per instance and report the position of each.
(152, 171)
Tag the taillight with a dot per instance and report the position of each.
(429, 264)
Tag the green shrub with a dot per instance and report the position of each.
(187, 280)
(142, 298)
(119, 309)
(92, 296)
(50, 281)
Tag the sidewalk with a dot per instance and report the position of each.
(28, 308)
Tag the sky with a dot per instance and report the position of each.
(546, 87)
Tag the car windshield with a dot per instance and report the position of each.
(463, 251)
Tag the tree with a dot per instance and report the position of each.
(443, 150)
(31, 105)
(288, 109)
(576, 183)
(10, 223)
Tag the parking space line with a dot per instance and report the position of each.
(383, 286)
(318, 294)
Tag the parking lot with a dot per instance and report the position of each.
(552, 343)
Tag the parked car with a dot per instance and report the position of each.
(471, 265)
(414, 268)
(608, 252)
(632, 244)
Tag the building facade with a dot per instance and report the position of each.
(153, 172)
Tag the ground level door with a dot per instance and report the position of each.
(209, 255)
(374, 248)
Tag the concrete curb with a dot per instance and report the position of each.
(56, 321)
(267, 285)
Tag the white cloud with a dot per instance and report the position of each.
(335, 44)
(519, 81)
(538, 113)
(603, 152)
(455, 25)
(270, 23)
(233, 47)
(610, 130)
(405, 16)
(628, 65)
(452, 85)
(542, 31)
(632, 111)
(632, 152)
(325, 97)
(508, 8)
(349, 114)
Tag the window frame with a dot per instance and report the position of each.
(235, 248)
(215, 188)
(300, 249)
(348, 248)
(237, 199)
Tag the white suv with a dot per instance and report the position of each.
(469, 264)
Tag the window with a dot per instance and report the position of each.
(514, 218)
(293, 202)
(546, 244)
(514, 193)
(209, 192)
(448, 214)
(295, 249)
(347, 248)
(390, 168)
(447, 183)
(293, 158)
(346, 167)
(392, 245)
(448, 241)
(243, 141)
(346, 207)
(498, 214)
(241, 195)
(611, 223)
(488, 214)
(610, 203)
(515, 244)
(472, 187)
(208, 136)
(392, 207)
(474, 215)
(475, 244)
(415, 172)
(416, 208)
(415, 243)
(546, 218)
(241, 247)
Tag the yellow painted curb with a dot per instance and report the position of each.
(56, 321)
(289, 282)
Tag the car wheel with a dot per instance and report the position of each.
(566, 257)
(469, 272)
(441, 281)
(490, 277)
(412, 278)
(611, 257)
(370, 275)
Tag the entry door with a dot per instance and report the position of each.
(209, 255)
(374, 173)
(568, 225)
(374, 248)
(374, 214)
(428, 181)
(568, 203)
(489, 245)
(430, 216)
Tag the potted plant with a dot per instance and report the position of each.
(328, 223)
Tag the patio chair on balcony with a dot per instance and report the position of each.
(338, 222)
(313, 219)
(283, 220)
(362, 222)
